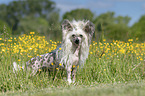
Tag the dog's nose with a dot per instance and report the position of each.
(77, 41)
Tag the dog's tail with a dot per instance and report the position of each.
(17, 67)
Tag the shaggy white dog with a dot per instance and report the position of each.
(71, 53)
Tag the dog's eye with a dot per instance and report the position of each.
(73, 35)
(81, 36)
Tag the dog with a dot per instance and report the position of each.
(72, 52)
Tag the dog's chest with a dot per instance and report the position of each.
(73, 59)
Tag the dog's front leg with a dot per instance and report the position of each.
(69, 74)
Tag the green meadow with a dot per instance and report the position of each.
(116, 68)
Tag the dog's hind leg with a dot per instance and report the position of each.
(74, 73)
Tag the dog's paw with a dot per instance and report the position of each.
(73, 81)
(69, 81)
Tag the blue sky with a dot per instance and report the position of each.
(132, 8)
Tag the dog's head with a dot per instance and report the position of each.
(78, 31)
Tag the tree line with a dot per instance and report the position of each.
(42, 17)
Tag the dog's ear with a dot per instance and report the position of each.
(66, 25)
(89, 28)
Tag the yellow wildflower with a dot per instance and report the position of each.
(74, 66)
(136, 39)
(39, 70)
(130, 40)
(60, 64)
(10, 40)
(104, 40)
(91, 52)
(3, 50)
(57, 68)
(32, 32)
(141, 59)
(30, 56)
(122, 50)
(59, 48)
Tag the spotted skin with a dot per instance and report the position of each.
(49, 61)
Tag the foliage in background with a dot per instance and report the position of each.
(43, 18)
(138, 29)
(5, 30)
(79, 14)
(4, 25)
(18, 13)
(115, 28)
(29, 24)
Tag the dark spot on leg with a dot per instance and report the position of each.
(33, 66)
(43, 59)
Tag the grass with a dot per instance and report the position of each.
(114, 89)
(111, 68)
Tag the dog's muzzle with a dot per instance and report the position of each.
(77, 41)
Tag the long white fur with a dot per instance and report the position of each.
(68, 47)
